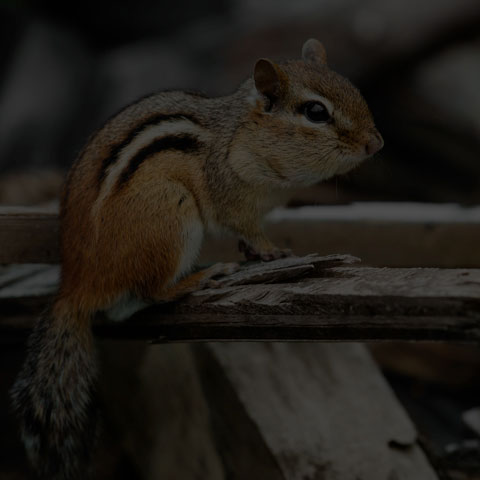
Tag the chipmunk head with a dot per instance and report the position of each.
(308, 123)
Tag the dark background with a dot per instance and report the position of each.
(67, 67)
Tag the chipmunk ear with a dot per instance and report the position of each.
(270, 79)
(314, 52)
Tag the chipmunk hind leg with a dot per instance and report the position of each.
(165, 247)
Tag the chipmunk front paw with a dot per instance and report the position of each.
(275, 254)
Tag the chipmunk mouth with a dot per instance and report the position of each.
(359, 155)
(353, 158)
(350, 162)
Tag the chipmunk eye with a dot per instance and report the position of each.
(316, 112)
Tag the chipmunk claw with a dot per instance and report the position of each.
(275, 254)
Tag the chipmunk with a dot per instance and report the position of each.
(138, 201)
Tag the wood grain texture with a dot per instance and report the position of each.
(28, 235)
(31, 236)
(308, 298)
(307, 412)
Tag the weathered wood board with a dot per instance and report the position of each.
(307, 412)
(429, 240)
(28, 235)
(300, 298)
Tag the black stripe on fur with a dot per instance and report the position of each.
(183, 143)
(154, 120)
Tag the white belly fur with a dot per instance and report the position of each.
(192, 239)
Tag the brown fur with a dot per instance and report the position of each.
(135, 207)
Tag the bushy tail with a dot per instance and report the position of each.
(54, 397)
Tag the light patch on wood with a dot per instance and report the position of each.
(319, 411)
(472, 419)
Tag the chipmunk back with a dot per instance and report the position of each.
(138, 201)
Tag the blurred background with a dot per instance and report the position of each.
(66, 67)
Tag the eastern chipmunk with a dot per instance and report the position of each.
(138, 201)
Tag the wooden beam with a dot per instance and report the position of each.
(28, 235)
(300, 298)
(307, 412)
(395, 240)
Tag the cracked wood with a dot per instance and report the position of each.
(299, 298)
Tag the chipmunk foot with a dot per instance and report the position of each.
(265, 255)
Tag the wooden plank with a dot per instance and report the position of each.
(28, 235)
(436, 239)
(379, 243)
(333, 300)
(307, 412)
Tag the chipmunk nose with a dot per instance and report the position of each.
(374, 144)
